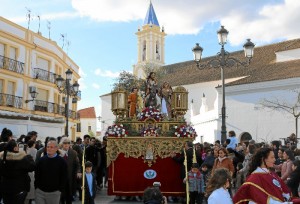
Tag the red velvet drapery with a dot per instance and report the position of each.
(126, 176)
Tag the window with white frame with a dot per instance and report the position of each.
(43, 63)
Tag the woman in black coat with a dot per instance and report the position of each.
(294, 179)
(14, 168)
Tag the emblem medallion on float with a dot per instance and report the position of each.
(150, 174)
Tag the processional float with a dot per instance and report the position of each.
(139, 148)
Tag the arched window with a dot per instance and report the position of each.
(157, 51)
(144, 51)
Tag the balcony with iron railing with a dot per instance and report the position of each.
(72, 114)
(44, 75)
(11, 101)
(45, 106)
(11, 65)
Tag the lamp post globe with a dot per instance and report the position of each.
(69, 74)
(222, 35)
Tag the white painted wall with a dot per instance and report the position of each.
(85, 122)
(107, 116)
(242, 110)
(19, 127)
(287, 55)
(263, 124)
(12, 29)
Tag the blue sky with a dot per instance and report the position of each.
(102, 40)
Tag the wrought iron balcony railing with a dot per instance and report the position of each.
(45, 106)
(11, 101)
(44, 75)
(72, 114)
(11, 65)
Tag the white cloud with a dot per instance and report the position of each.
(271, 22)
(96, 86)
(106, 73)
(82, 73)
(82, 84)
(263, 21)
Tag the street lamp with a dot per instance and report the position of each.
(33, 93)
(69, 90)
(222, 60)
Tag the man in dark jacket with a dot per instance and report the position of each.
(50, 176)
(14, 168)
(70, 156)
(188, 147)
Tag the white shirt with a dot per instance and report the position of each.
(219, 196)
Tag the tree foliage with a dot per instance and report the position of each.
(127, 81)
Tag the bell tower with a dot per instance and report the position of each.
(150, 43)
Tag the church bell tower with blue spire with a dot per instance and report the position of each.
(151, 44)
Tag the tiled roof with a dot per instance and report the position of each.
(87, 112)
(262, 68)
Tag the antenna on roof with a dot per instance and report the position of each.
(49, 27)
(39, 17)
(62, 36)
(28, 16)
(68, 43)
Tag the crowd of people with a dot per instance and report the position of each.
(233, 172)
(50, 173)
(246, 172)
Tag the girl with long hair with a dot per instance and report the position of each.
(217, 186)
(262, 185)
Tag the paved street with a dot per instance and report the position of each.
(103, 198)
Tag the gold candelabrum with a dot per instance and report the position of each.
(179, 103)
(119, 105)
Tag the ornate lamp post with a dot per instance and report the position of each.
(69, 90)
(33, 93)
(223, 60)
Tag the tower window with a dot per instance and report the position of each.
(144, 51)
(157, 51)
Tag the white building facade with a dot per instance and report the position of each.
(27, 59)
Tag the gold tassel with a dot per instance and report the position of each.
(194, 156)
(83, 176)
(186, 178)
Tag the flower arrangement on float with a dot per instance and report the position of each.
(185, 131)
(150, 112)
(150, 132)
(116, 131)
